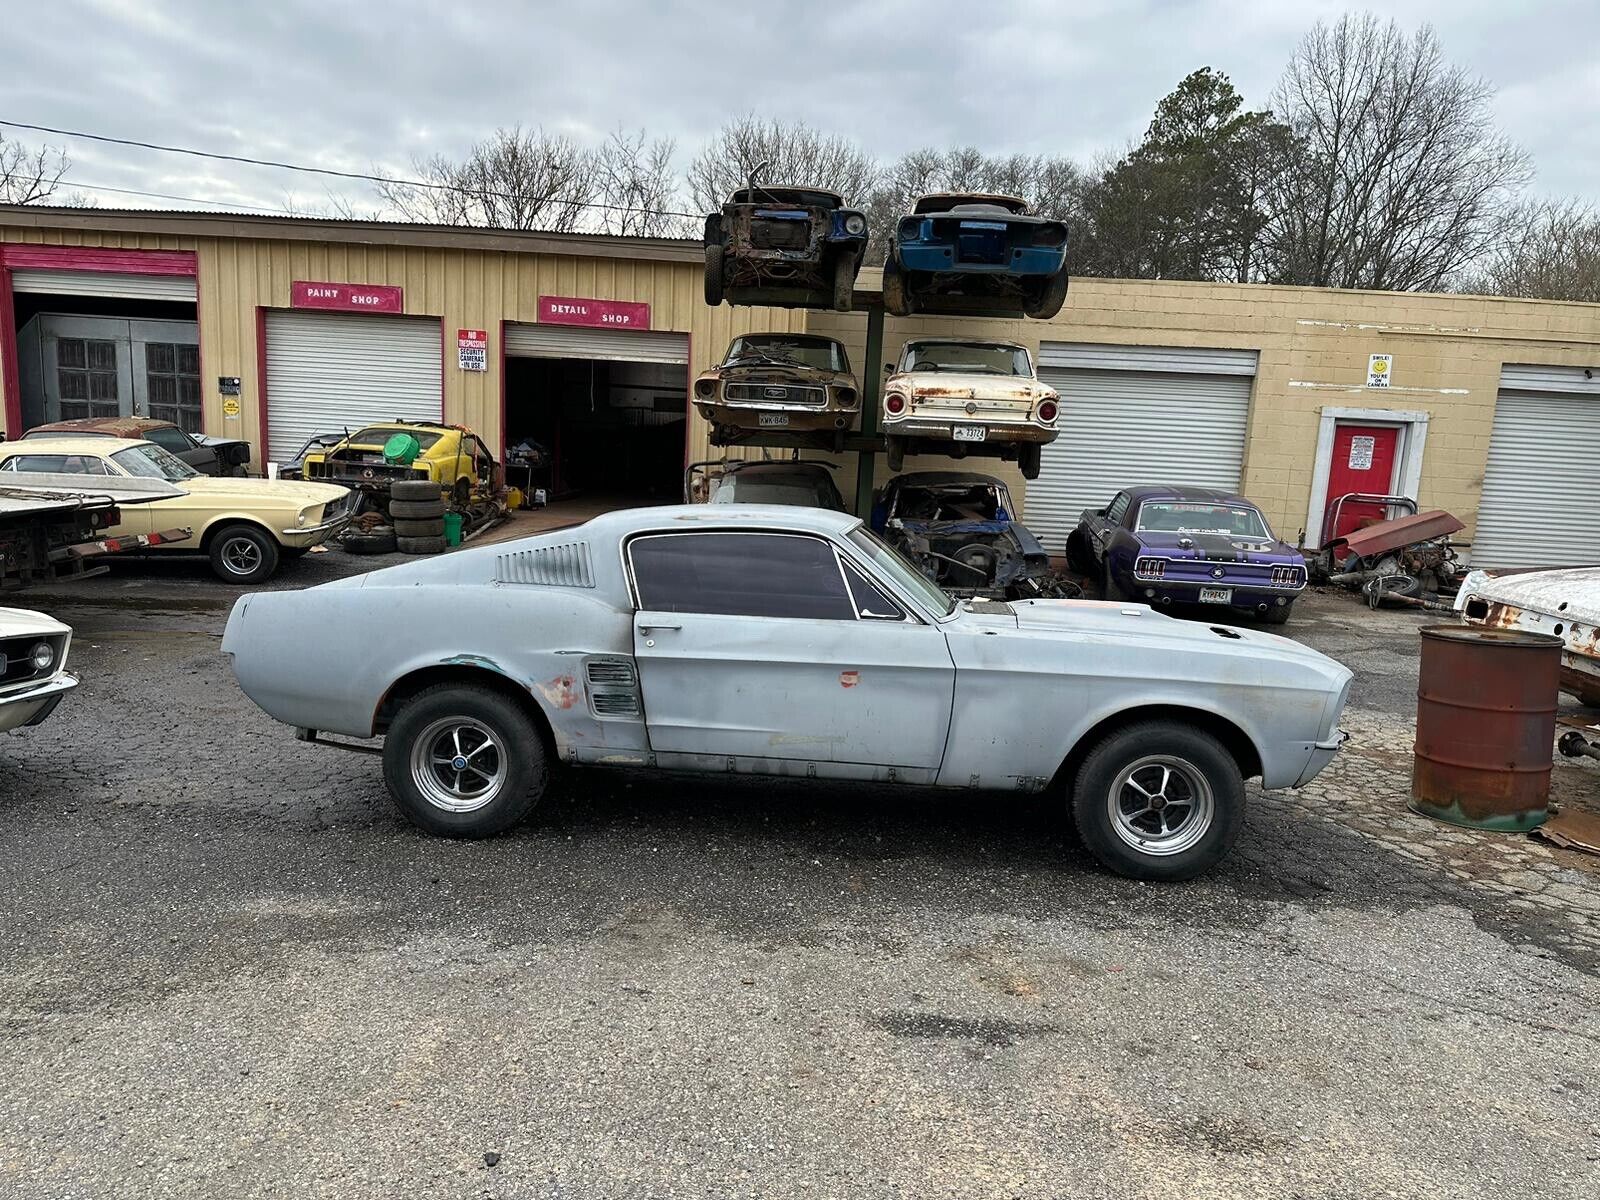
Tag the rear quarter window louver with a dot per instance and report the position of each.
(563, 565)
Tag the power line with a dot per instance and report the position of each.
(329, 171)
(224, 204)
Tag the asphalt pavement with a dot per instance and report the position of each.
(229, 968)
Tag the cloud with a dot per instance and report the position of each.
(350, 86)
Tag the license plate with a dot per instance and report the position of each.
(969, 433)
(772, 420)
(1216, 595)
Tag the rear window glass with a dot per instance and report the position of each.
(377, 435)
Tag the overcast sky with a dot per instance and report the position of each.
(350, 85)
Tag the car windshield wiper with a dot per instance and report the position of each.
(766, 358)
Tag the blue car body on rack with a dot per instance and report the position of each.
(976, 254)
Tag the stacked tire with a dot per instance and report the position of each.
(416, 510)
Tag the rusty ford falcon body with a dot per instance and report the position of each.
(1564, 603)
(726, 638)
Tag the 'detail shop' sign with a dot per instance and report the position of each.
(574, 310)
(347, 297)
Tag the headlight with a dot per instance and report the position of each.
(301, 519)
(855, 223)
(911, 229)
(42, 656)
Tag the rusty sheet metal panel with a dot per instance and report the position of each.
(1486, 719)
(1563, 603)
(1385, 536)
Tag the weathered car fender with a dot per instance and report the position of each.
(293, 653)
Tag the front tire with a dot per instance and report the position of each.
(897, 454)
(1159, 800)
(714, 275)
(464, 761)
(844, 281)
(895, 299)
(243, 554)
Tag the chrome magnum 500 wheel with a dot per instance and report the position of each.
(1159, 800)
(464, 761)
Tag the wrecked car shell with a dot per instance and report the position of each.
(779, 381)
(788, 247)
(959, 528)
(1564, 603)
(976, 254)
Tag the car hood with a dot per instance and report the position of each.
(1219, 547)
(24, 622)
(968, 385)
(778, 373)
(284, 491)
(1140, 623)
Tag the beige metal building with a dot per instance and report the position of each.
(272, 329)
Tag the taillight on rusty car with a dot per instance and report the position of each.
(1047, 411)
(895, 403)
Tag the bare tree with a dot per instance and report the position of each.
(794, 153)
(31, 175)
(634, 180)
(1395, 175)
(1551, 250)
(516, 179)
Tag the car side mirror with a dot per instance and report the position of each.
(888, 368)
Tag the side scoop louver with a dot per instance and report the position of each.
(613, 687)
(562, 565)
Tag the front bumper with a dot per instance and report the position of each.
(313, 535)
(30, 705)
(1321, 755)
(804, 417)
(940, 258)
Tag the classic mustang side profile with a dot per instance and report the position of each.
(725, 638)
(1159, 544)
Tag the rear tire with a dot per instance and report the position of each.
(1078, 556)
(897, 454)
(416, 510)
(1277, 615)
(1159, 800)
(415, 489)
(380, 540)
(1029, 456)
(419, 545)
(243, 554)
(714, 275)
(1050, 298)
(507, 765)
(1109, 588)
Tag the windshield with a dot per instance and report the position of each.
(983, 358)
(150, 461)
(1174, 516)
(889, 561)
(820, 354)
(377, 435)
(784, 489)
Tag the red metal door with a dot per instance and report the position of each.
(1363, 461)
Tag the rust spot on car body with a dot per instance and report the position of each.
(562, 691)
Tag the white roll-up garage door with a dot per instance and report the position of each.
(327, 372)
(1132, 415)
(1540, 505)
(104, 283)
(577, 341)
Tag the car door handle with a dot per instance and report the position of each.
(647, 627)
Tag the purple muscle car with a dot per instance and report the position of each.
(1162, 545)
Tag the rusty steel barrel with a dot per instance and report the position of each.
(1486, 724)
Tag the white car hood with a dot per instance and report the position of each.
(23, 622)
(1572, 592)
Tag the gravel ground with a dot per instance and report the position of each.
(230, 969)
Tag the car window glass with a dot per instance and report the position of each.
(872, 602)
(739, 574)
(1118, 508)
(893, 564)
(174, 440)
(152, 462)
(58, 464)
(1169, 516)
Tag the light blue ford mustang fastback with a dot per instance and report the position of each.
(784, 641)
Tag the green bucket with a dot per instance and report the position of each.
(453, 521)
